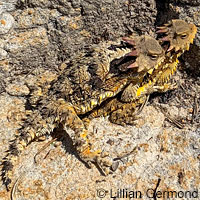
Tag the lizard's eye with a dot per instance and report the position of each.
(153, 57)
(183, 36)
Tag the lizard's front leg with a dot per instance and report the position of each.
(164, 88)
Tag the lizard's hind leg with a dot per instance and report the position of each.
(68, 116)
(34, 126)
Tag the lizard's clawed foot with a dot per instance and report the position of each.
(101, 159)
(106, 164)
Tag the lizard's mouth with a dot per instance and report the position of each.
(124, 62)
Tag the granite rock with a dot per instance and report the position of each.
(155, 154)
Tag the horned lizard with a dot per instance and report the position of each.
(178, 35)
(112, 78)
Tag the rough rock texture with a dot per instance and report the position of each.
(36, 36)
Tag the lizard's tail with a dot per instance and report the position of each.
(34, 127)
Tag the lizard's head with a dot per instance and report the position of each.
(178, 33)
(149, 54)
